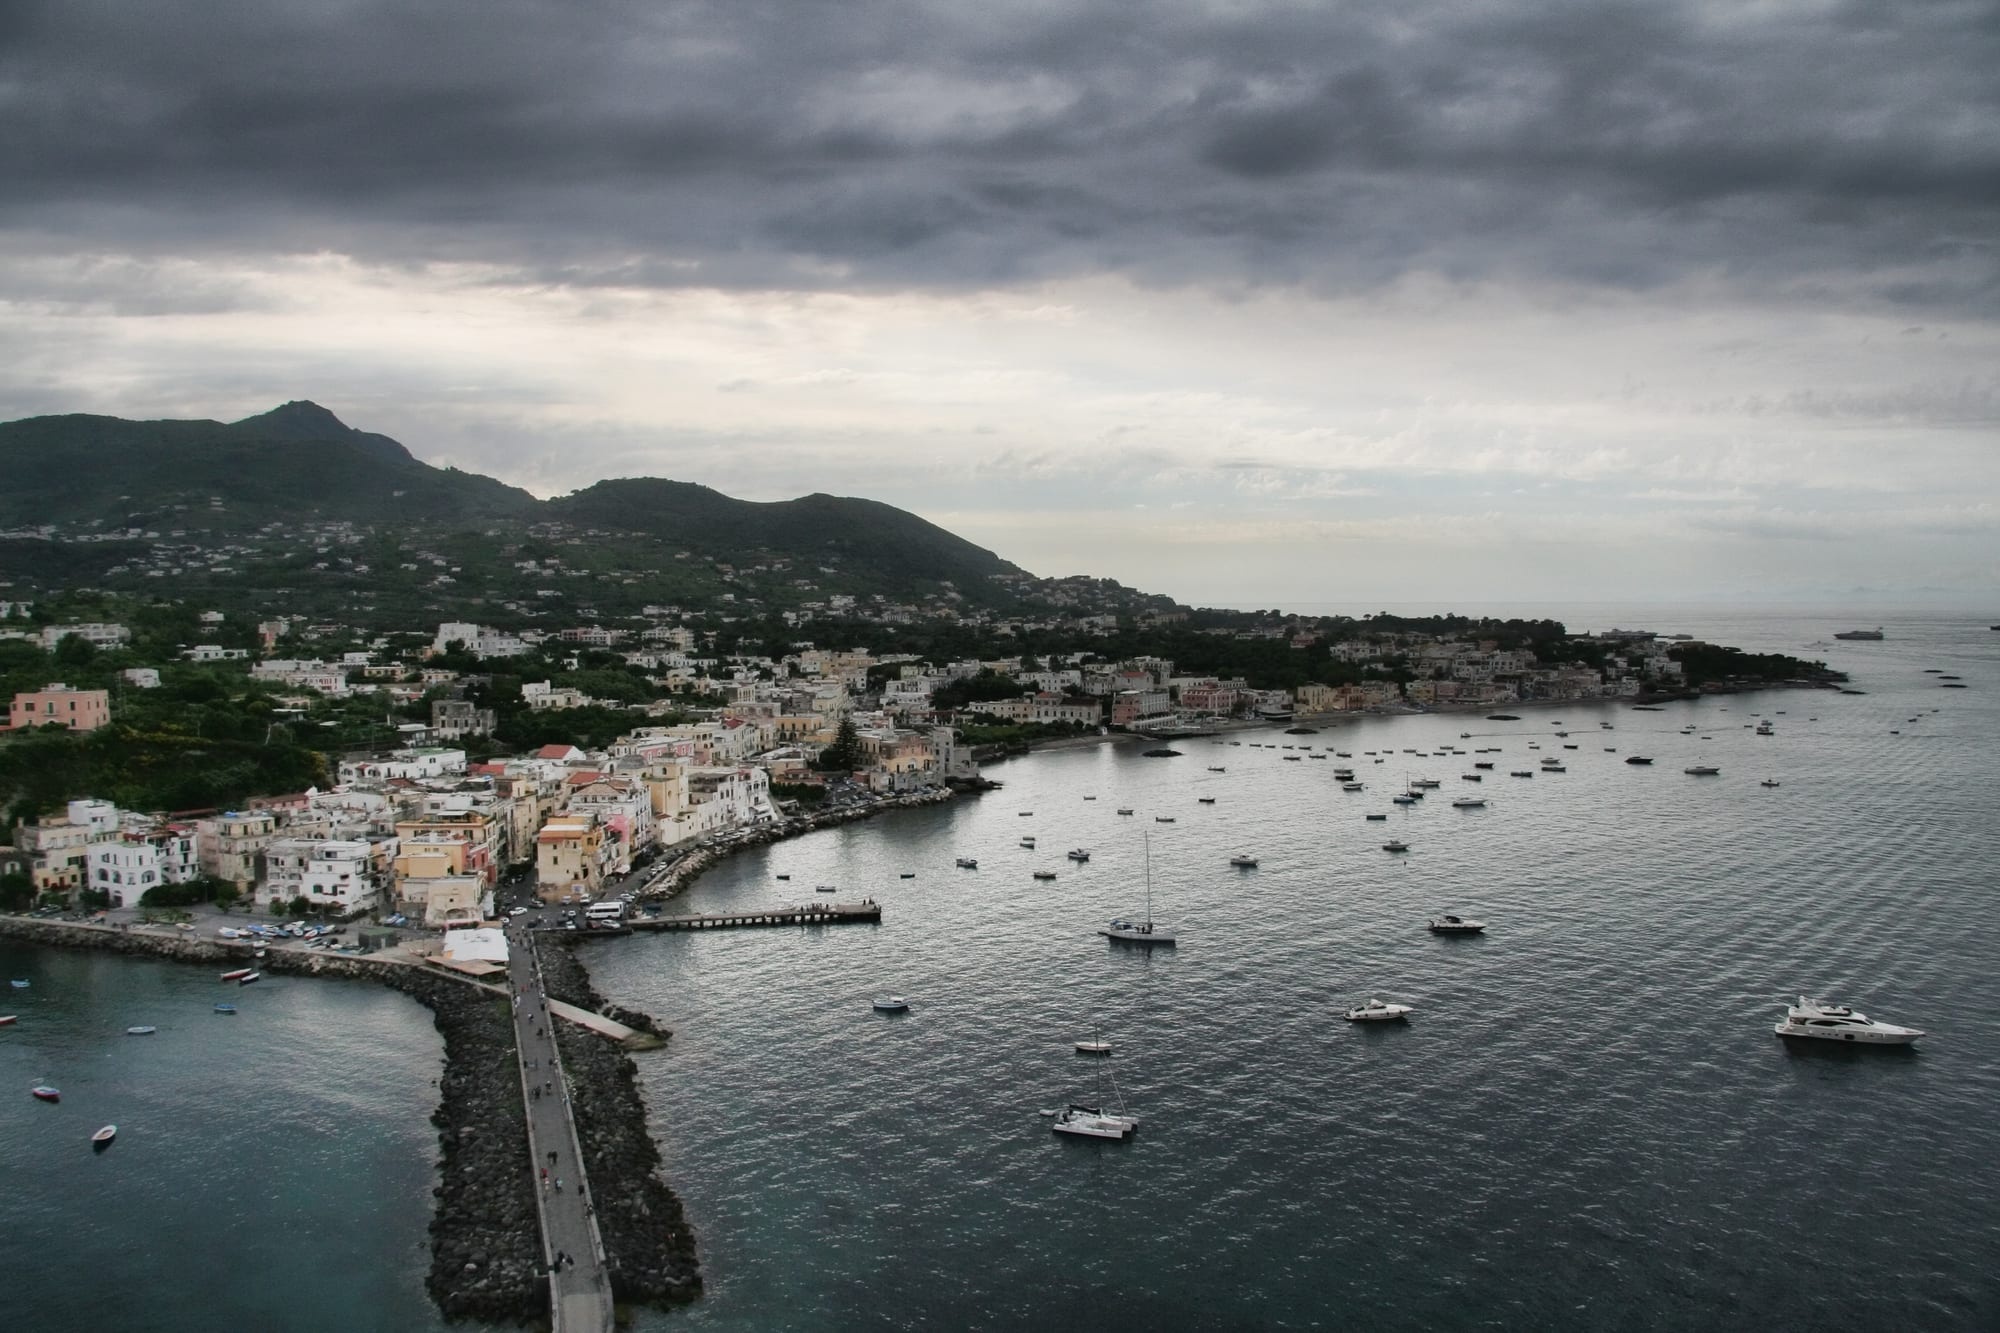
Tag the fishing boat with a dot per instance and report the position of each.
(43, 1092)
(1140, 932)
(102, 1138)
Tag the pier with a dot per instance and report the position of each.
(808, 914)
(579, 1286)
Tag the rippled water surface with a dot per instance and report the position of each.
(1588, 1123)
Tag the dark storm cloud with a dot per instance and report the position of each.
(884, 142)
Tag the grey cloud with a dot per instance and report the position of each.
(887, 142)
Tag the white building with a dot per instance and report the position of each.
(337, 877)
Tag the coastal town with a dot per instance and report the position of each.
(425, 825)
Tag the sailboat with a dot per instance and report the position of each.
(1140, 932)
(1096, 1122)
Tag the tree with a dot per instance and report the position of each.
(844, 755)
(73, 650)
(16, 891)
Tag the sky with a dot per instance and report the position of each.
(1251, 302)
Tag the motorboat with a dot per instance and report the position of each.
(1837, 1022)
(1455, 925)
(1243, 862)
(1163, 819)
(1378, 817)
(1124, 809)
(1766, 729)
(1027, 842)
(1217, 768)
(1376, 1011)
(102, 1138)
(237, 975)
(826, 888)
(1482, 763)
(1090, 1122)
(254, 976)
(784, 876)
(18, 984)
(1204, 800)
(1769, 782)
(1424, 782)
(1523, 772)
(1352, 786)
(1078, 854)
(1045, 874)
(43, 1092)
(9, 1020)
(141, 1030)
(1026, 813)
(1865, 634)
(1638, 759)
(1472, 777)
(1702, 771)
(1395, 845)
(890, 1004)
(1548, 767)
(225, 1008)
(1468, 803)
(968, 863)
(1405, 799)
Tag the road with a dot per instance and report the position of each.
(580, 1296)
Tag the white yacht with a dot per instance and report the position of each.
(1837, 1022)
(1091, 1122)
(1455, 925)
(1375, 1011)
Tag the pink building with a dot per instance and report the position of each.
(58, 704)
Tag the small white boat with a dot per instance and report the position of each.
(1092, 1123)
(1837, 1022)
(1395, 845)
(225, 1008)
(890, 1004)
(1455, 925)
(18, 984)
(1375, 1011)
(1095, 1046)
(968, 863)
(1702, 771)
(1351, 786)
(141, 1030)
(1243, 862)
(1468, 803)
(254, 976)
(102, 1138)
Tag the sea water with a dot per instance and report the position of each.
(1587, 1123)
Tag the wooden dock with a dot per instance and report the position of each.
(806, 914)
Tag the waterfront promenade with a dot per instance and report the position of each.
(573, 1251)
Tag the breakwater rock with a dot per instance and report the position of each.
(485, 1237)
(648, 1244)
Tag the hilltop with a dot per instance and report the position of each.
(294, 507)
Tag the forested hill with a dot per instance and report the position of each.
(294, 497)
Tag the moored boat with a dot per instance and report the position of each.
(1078, 854)
(968, 863)
(237, 975)
(142, 1030)
(1837, 1022)
(1376, 1011)
(9, 1020)
(43, 1092)
(1243, 862)
(1702, 771)
(102, 1138)
(890, 1004)
(1455, 925)
(225, 1008)
(254, 976)
(1091, 1122)
(1395, 845)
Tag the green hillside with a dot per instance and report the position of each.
(293, 507)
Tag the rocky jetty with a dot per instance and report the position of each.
(648, 1244)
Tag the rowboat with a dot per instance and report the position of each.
(44, 1092)
(102, 1138)
(237, 975)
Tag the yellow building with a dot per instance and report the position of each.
(569, 855)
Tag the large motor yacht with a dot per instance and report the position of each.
(1837, 1022)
